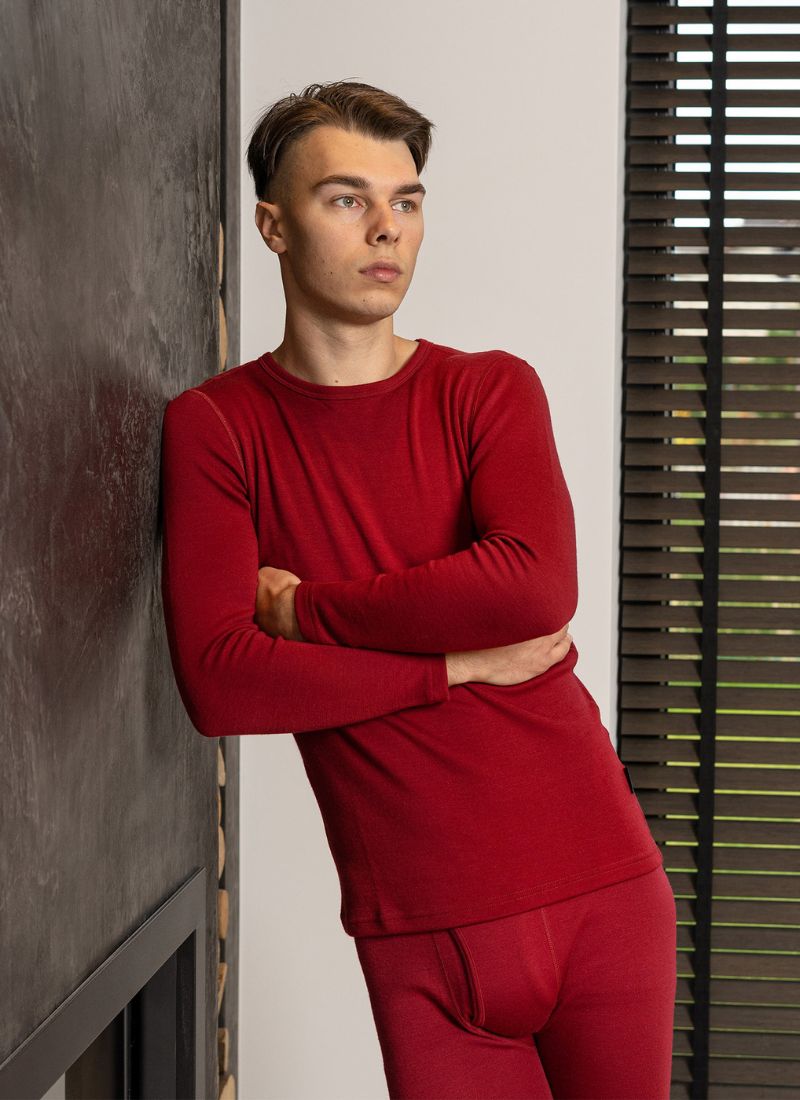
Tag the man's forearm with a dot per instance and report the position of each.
(474, 599)
(460, 669)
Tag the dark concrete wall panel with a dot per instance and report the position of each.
(110, 205)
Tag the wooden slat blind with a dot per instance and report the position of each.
(709, 658)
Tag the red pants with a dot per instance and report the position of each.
(569, 1000)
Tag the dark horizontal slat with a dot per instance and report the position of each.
(643, 125)
(670, 534)
(651, 670)
(726, 938)
(642, 540)
(683, 831)
(643, 43)
(726, 1072)
(773, 780)
(638, 750)
(753, 511)
(773, 591)
(657, 264)
(681, 1040)
(662, 643)
(661, 319)
(642, 696)
(683, 858)
(640, 721)
(757, 967)
(655, 563)
(657, 399)
(784, 482)
(658, 509)
(651, 209)
(695, 290)
(651, 152)
(654, 803)
(768, 895)
(752, 1044)
(667, 15)
(654, 181)
(644, 98)
(742, 455)
(640, 235)
(754, 590)
(774, 860)
(753, 1091)
(781, 807)
(751, 1017)
(651, 373)
(762, 1044)
(651, 723)
(653, 616)
(763, 971)
(725, 911)
(650, 71)
(660, 426)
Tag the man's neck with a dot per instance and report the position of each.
(353, 369)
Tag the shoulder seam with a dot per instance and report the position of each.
(478, 389)
(223, 420)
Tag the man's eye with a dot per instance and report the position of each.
(348, 198)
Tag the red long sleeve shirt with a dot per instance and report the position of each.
(426, 513)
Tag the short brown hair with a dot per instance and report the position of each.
(347, 104)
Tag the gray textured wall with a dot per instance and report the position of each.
(109, 201)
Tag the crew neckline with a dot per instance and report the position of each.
(360, 389)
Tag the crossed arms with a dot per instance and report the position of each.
(377, 644)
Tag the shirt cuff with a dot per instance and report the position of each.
(440, 688)
(304, 611)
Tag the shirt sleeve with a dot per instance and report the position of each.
(234, 678)
(517, 580)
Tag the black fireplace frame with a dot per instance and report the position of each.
(162, 967)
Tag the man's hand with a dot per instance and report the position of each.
(275, 603)
(508, 664)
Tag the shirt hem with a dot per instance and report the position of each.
(546, 894)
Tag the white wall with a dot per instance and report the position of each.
(522, 250)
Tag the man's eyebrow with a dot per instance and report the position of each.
(363, 184)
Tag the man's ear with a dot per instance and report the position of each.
(266, 222)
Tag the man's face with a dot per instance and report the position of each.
(326, 233)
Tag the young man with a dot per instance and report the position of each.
(369, 542)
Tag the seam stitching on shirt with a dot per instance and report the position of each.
(225, 424)
(471, 419)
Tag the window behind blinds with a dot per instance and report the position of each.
(709, 661)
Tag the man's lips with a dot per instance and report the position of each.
(391, 264)
(381, 274)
